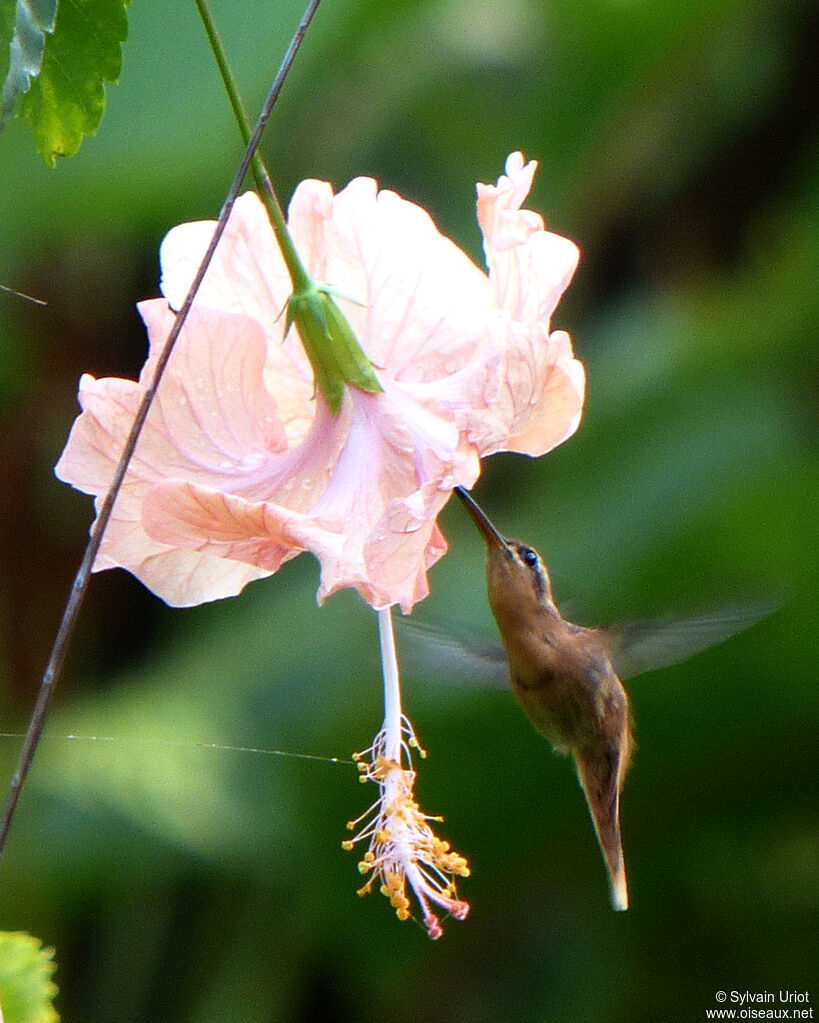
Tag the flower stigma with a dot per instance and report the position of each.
(402, 847)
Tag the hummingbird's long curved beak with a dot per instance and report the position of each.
(487, 530)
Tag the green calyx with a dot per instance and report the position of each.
(333, 349)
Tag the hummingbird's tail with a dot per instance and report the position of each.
(601, 775)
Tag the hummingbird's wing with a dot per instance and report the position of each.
(641, 646)
(454, 653)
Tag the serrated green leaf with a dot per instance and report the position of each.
(67, 99)
(23, 27)
(26, 988)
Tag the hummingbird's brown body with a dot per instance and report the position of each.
(563, 677)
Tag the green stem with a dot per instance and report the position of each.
(298, 273)
(329, 342)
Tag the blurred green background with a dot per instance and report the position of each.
(678, 146)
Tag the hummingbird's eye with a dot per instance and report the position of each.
(529, 557)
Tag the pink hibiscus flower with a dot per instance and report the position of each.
(241, 464)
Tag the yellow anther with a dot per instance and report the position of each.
(399, 900)
(403, 852)
(348, 846)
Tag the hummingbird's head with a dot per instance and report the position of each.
(518, 580)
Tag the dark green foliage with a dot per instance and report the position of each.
(59, 69)
(26, 988)
(23, 30)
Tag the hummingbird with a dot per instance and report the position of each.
(568, 677)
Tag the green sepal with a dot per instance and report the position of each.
(333, 349)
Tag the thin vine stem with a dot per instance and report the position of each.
(80, 585)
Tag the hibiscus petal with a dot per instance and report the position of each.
(182, 578)
(552, 412)
(220, 524)
(406, 543)
(213, 421)
(98, 434)
(212, 402)
(247, 276)
(533, 393)
(423, 301)
(529, 267)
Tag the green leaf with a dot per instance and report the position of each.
(26, 988)
(23, 28)
(67, 99)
